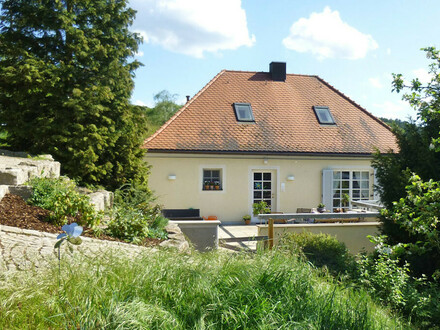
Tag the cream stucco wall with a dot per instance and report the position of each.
(235, 200)
(353, 235)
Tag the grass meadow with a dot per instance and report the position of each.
(166, 290)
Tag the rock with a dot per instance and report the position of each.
(12, 176)
(176, 239)
(3, 191)
(101, 199)
(24, 192)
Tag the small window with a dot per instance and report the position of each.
(212, 179)
(243, 112)
(324, 116)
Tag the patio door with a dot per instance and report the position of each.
(263, 188)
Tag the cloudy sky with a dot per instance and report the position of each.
(353, 45)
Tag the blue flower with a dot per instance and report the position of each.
(72, 230)
(71, 234)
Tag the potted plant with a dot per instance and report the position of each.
(345, 201)
(260, 208)
(247, 219)
(217, 185)
(206, 185)
(211, 185)
(321, 208)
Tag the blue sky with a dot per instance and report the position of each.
(353, 45)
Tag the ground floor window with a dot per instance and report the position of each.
(354, 184)
(212, 179)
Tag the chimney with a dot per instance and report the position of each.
(278, 71)
(187, 98)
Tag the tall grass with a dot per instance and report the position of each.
(167, 291)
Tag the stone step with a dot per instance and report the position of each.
(3, 191)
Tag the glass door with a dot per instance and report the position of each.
(263, 188)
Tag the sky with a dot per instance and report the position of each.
(353, 45)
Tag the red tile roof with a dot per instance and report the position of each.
(285, 121)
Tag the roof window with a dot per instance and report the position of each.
(243, 112)
(324, 116)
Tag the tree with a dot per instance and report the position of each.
(165, 107)
(66, 77)
(419, 153)
(418, 142)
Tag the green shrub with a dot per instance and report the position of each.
(391, 284)
(322, 250)
(260, 208)
(418, 214)
(59, 196)
(135, 216)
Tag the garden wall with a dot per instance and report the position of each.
(354, 235)
(22, 249)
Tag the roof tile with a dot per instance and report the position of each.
(284, 119)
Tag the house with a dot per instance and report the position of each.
(291, 140)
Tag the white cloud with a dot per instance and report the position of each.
(325, 35)
(139, 53)
(375, 82)
(398, 109)
(388, 51)
(423, 75)
(193, 27)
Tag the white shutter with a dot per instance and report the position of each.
(327, 179)
(376, 194)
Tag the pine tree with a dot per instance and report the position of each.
(66, 76)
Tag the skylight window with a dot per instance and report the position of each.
(324, 116)
(243, 112)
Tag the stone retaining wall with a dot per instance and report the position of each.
(22, 249)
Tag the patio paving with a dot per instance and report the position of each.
(227, 231)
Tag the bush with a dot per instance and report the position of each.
(391, 284)
(322, 250)
(135, 216)
(417, 213)
(59, 196)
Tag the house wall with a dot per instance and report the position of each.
(235, 200)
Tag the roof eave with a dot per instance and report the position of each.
(278, 153)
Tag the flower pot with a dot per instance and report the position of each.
(247, 222)
(206, 187)
(217, 187)
(321, 209)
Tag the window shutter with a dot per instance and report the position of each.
(327, 178)
(376, 194)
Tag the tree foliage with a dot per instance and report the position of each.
(165, 107)
(66, 76)
(419, 214)
(419, 145)
(418, 141)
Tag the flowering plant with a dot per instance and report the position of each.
(71, 234)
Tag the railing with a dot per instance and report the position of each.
(332, 216)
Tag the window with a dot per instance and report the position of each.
(212, 179)
(324, 116)
(355, 184)
(243, 112)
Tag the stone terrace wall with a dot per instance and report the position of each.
(22, 249)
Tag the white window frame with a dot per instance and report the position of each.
(328, 184)
(210, 167)
(350, 189)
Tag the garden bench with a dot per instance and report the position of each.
(182, 214)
